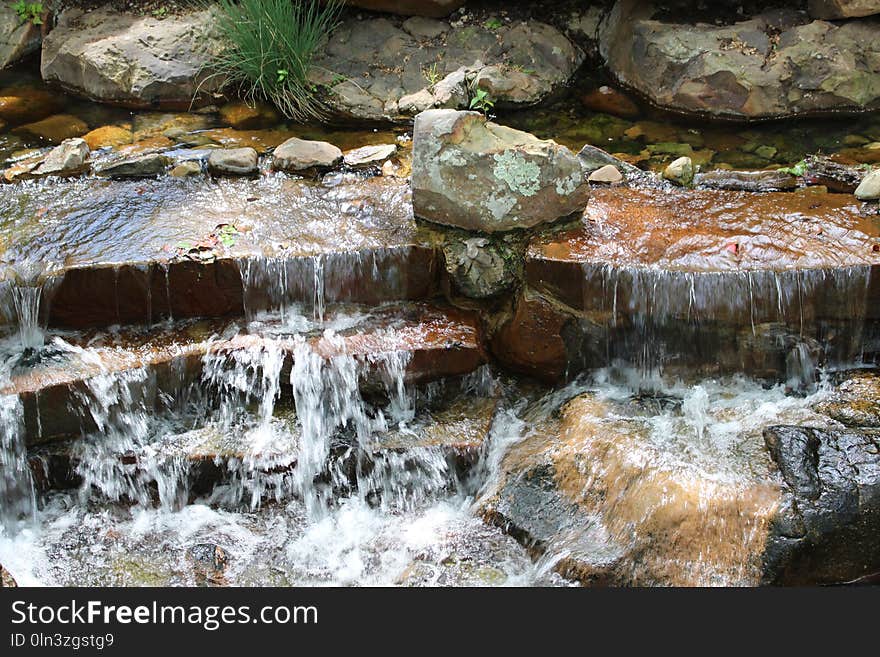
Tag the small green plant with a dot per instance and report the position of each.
(798, 169)
(159, 12)
(29, 11)
(481, 102)
(493, 24)
(269, 49)
(431, 74)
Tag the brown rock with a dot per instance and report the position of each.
(610, 101)
(834, 9)
(55, 128)
(20, 104)
(531, 341)
(242, 116)
(108, 135)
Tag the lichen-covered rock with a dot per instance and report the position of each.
(481, 176)
(376, 70)
(834, 9)
(778, 63)
(303, 155)
(18, 38)
(137, 61)
(432, 8)
(481, 268)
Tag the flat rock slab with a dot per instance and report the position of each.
(437, 343)
(719, 281)
(121, 252)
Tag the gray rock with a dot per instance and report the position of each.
(302, 155)
(141, 166)
(828, 530)
(186, 169)
(375, 70)
(481, 268)
(680, 171)
(592, 158)
(69, 158)
(425, 28)
(482, 176)
(869, 188)
(234, 162)
(17, 38)
(369, 155)
(778, 63)
(134, 60)
(746, 181)
(608, 174)
(834, 9)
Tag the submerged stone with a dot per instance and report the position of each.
(55, 129)
(111, 136)
(482, 176)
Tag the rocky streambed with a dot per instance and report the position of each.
(580, 341)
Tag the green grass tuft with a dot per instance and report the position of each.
(269, 46)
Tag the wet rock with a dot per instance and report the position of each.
(482, 176)
(17, 38)
(828, 528)
(610, 101)
(746, 181)
(22, 104)
(209, 562)
(67, 159)
(6, 578)
(835, 9)
(301, 155)
(778, 63)
(855, 402)
(244, 116)
(609, 174)
(531, 341)
(55, 129)
(591, 485)
(132, 60)
(186, 169)
(233, 162)
(593, 158)
(374, 70)
(111, 136)
(481, 268)
(149, 165)
(431, 8)
(261, 141)
(680, 171)
(869, 188)
(369, 155)
(820, 170)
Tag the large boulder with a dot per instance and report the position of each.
(378, 70)
(132, 60)
(624, 494)
(17, 38)
(778, 63)
(481, 176)
(834, 9)
(432, 8)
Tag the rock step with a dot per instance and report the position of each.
(726, 279)
(435, 342)
(454, 428)
(132, 252)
